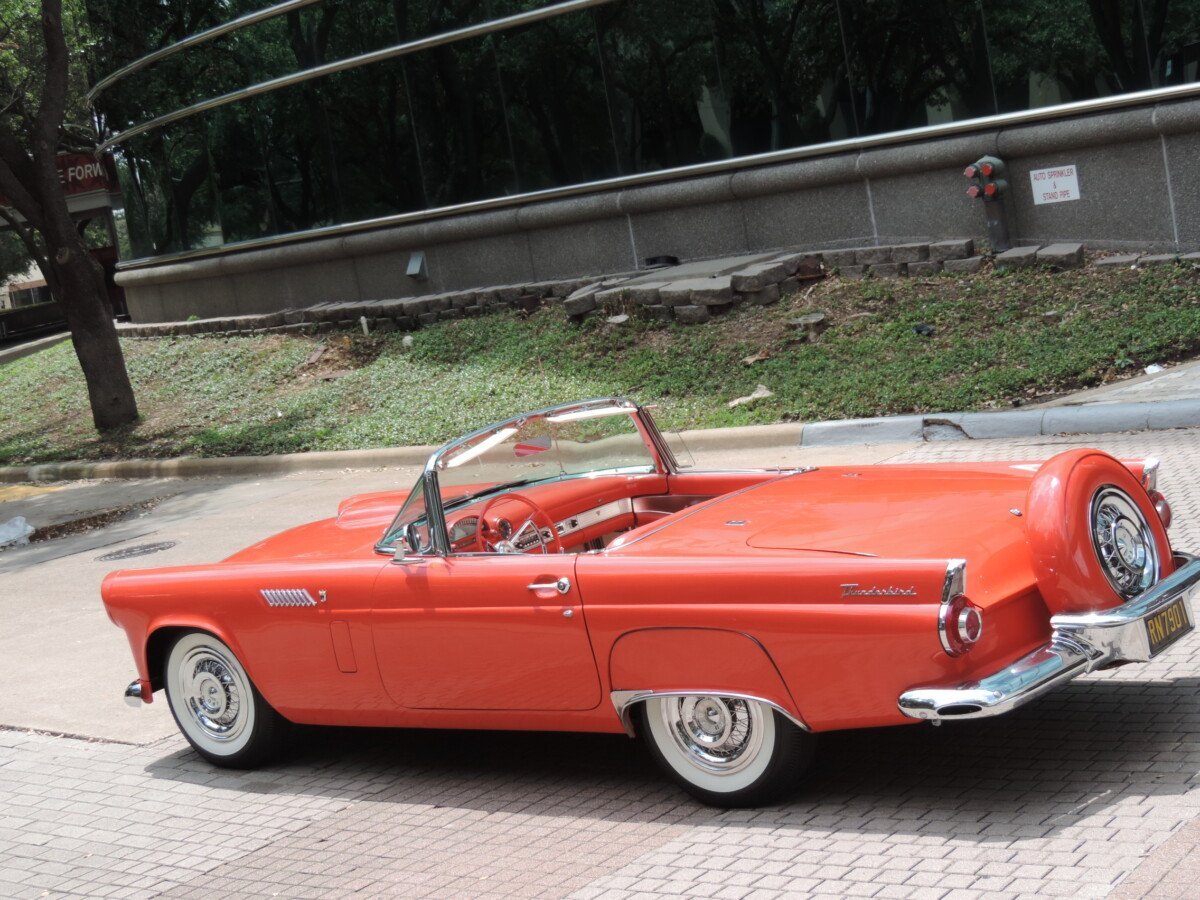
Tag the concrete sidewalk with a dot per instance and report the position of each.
(1162, 401)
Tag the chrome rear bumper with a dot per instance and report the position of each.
(1079, 643)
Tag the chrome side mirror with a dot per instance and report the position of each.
(408, 546)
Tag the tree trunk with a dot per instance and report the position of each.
(89, 315)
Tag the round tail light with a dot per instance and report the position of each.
(1162, 507)
(960, 625)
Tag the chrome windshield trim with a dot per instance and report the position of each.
(624, 701)
(353, 62)
(200, 37)
(828, 148)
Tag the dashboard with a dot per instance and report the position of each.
(462, 531)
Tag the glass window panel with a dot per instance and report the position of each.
(669, 105)
(783, 74)
(552, 87)
(240, 172)
(169, 199)
(916, 62)
(374, 144)
(298, 148)
(1173, 40)
(1048, 53)
(464, 144)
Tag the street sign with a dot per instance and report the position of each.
(1056, 185)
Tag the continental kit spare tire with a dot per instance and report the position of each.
(1095, 539)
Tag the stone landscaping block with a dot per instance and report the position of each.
(645, 294)
(692, 314)
(427, 318)
(693, 291)
(580, 305)
(1061, 256)
(1017, 258)
(870, 256)
(462, 301)
(968, 266)
(758, 276)
(789, 286)
(658, 311)
(583, 291)
(765, 297)
(1190, 258)
(1159, 259)
(610, 296)
(952, 249)
(854, 271)
(800, 263)
(906, 253)
(1120, 260)
(838, 259)
(889, 270)
(925, 267)
(510, 292)
(293, 316)
(439, 303)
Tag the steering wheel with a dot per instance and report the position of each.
(481, 527)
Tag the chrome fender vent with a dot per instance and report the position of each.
(287, 597)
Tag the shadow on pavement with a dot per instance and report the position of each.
(1027, 775)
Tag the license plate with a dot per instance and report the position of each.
(1166, 627)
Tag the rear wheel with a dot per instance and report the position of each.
(726, 751)
(216, 706)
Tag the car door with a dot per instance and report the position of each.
(484, 631)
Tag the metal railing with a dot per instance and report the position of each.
(251, 18)
(947, 129)
(350, 62)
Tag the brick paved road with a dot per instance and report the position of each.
(1086, 793)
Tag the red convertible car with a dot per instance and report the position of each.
(560, 571)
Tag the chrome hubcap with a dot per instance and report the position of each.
(721, 735)
(1123, 542)
(213, 689)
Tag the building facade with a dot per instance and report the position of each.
(314, 150)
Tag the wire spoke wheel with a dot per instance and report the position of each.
(726, 750)
(216, 705)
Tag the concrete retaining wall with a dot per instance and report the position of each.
(1135, 174)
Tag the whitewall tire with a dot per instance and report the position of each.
(216, 705)
(726, 751)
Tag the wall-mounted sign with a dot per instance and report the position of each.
(1055, 185)
(80, 173)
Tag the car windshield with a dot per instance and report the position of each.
(587, 439)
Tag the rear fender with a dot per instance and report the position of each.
(664, 661)
(1058, 528)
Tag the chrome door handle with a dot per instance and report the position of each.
(563, 586)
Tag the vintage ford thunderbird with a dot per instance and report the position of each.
(561, 571)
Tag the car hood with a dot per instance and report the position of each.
(944, 511)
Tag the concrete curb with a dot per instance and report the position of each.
(747, 437)
(1092, 418)
(20, 351)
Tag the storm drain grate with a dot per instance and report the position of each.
(136, 550)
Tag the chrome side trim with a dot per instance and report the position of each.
(624, 701)
(287, 597)
(1150, 473)
(133, 695)
(200, 37)
(354, 62)
(1082, 107)
(1079, 643)
(955, 584)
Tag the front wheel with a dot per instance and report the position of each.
(726, 751)
(216, 706)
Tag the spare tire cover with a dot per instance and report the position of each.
(1058, 526)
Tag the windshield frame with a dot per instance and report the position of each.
(664, 464)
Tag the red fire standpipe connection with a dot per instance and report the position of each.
(988, 182)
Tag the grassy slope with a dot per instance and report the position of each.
(255, 395)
